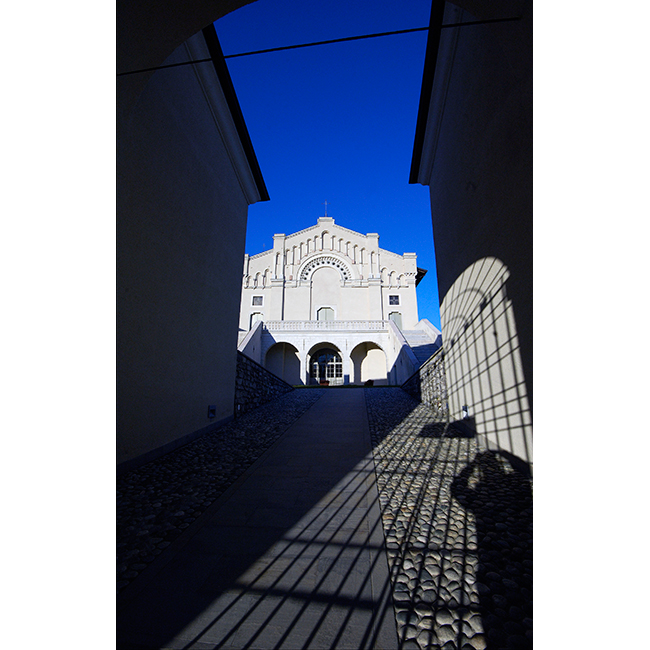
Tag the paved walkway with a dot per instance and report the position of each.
(291, 556)
(332, 518)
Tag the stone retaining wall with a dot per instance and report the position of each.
(255, 385)
(429, 385)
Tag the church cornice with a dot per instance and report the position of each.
(258, 255)
(329, 227)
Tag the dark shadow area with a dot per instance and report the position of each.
(296, 558)
(429, 540)
(500, 499)
(456, 429)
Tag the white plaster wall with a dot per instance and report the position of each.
(181, 232)
(373, 366)
(477, 161)
(357, 292)
(355, 304)
(482, 359)
(326, 292)
(283, 360)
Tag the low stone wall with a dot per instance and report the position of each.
(429, 385)
(255, 385)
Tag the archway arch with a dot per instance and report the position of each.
(325, 364)
(368, 364)
(283, 360)
(321, 261)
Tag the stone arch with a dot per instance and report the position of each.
(325, 260)
(283, 360)
(325, 362)
(369, 363)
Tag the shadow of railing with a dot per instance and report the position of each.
(309, 566)
(500, 498)
(440, 551)
(313, 574)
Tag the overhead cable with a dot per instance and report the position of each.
(336, 40)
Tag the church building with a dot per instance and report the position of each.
(327, 305)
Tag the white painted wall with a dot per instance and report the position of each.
(329, 265)
(182, 205)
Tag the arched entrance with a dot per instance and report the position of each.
(282, 360)
(326, 365)
(369, 364)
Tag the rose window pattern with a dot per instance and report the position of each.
(325, 261)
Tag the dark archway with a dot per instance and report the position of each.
(326, 365)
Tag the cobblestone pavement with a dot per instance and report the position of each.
(458, 530)
(457, 521)
(157, 501)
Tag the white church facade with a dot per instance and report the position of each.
(327, 305)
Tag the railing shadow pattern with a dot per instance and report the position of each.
(315, 574)
(455, 524)
(310, 575)
(458, 527)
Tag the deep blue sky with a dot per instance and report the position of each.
(335, 122)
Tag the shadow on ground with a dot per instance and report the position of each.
(500, 498)
(296, 560)
(291, 566)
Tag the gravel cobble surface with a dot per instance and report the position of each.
(157, 501)
(458, 529)
(457, 520)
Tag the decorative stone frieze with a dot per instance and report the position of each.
(326, 260)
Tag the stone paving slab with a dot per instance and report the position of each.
(272, 566)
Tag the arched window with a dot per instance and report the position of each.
(325, 313)
(255, 316)
(396, 317)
